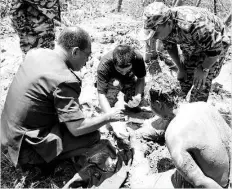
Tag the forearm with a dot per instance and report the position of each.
(139, 87)
(150, 50)
(188, 168)
(207, 182)
(87, 125)
(104, 104)
(209, 62)
(175, 56)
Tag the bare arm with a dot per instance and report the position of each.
(139, 88)
(88, 125)
(105, 106)
(175, 56)
(188, 168)
(209, 62)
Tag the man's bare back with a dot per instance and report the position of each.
(199, 141)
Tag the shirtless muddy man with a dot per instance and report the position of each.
(198, 139)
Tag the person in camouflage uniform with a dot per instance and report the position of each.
(34, 22)
(154, 48)
(202, 38)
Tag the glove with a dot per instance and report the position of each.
(135, 101)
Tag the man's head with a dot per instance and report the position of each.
(164, 95)
(77, 43)
(123, 56)
(157, 21)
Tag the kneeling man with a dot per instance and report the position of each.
(42, 120)
(198, 139)
(121, 71)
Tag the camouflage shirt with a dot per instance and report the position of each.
(50, 8)
(197, 31)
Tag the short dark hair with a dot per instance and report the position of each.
(123, 55)
(165, 89)
(74, 37)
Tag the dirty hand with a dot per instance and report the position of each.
(135, 101)
(116, 114)
(199, 78)
(181, 75)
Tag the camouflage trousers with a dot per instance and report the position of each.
(34, 28)
(190, 64)
(115, 86)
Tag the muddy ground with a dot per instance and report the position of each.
(107, 28)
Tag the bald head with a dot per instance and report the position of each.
(74, 37)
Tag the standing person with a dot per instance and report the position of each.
(202, 38)
(34, 22)
(121, 71)
(151, 45)
(42, 119)
(154, 47)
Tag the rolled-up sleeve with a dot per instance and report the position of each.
(66, 101)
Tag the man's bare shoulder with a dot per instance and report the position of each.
(190, 124)
(197, 121)
(187, 114)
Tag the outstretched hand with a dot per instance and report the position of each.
(116, 114)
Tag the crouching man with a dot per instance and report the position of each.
(121, 72)
(198, 139)
(42, 120)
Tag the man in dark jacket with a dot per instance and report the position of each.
(42, 119)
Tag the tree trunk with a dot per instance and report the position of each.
(173, 3)
(215, 7)
(198, 3)
(119, 5)
(228, 20)
(178, 3)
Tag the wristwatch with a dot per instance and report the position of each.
(204, 69)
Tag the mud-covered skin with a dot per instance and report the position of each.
(139, 171)
(199, 141)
